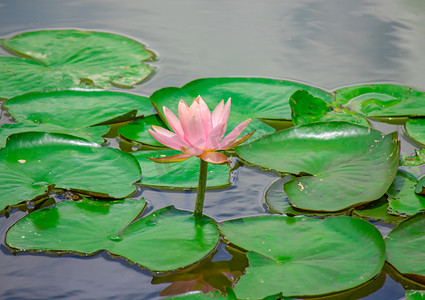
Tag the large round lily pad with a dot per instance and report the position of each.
(164, 240)
(340, 158)
(303, 256)
(32, 161)
(406, 247)
(260, 98)
(61, 59)
(379, 100)
(179, 175)
(138, 130)
(77, 109)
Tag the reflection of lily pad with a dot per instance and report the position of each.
(138, 130)
(406, 248)
(402, 199)
(92, 134)
(164, 240)
(32, 161)
(61, 59)
(179, 175)
(285, 253)
(77, 109)
(251, 98)
(341, 158)
(375, 100)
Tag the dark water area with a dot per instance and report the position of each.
(326, 43)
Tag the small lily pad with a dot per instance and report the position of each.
(406, 248)
(339, 158)
(376, 100)
(415, 128)
(164, 240)
(63, 59)
(77, 109)
(307, 109)
(378, 211)
(402, 199)
(415, 295)
(179, 175)
(91, 134)
(284, 253)
(415, 160)
(33, 161)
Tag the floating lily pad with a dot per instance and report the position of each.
(415, 160)
(195, 295)
(259, 98)
(77, 109)
(62, 59)
(415, 128)
(375, 100)
(285, 253)
(138, 130)
(378, 211)
(307, 109)
(179, 175)
(406, 248)
(92, 134)
(402, 199)
(33, 161)
(278, 201)
(340, 158)
(415, 295)
(164, 240)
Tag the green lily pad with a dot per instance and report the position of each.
(33, 161)
(77, 109)
(415, 128)
(415, 160)
(138, 130)
(415, 295)
(402, 199)
(406, 248)
(339, 157)
(285, 253)
(307, 109)
(195, 295)
(257, 98)
(278, 201)
(63, 59)
(376, 100)
(179, 175)
(91, 134)
(164, 240)
(378, 211)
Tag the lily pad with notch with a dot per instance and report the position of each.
(32, 162)
(63, 59)
(339, 159)
(88, 226)
(331, 254)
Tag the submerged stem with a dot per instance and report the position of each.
(200, 196)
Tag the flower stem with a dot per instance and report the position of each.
(200, 196)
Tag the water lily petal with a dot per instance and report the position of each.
(214, 157)
(238, 141)
(172, 141)
(195, 132)
(215, 136)
(230, 138)
(169, 159)
(217, 113)
(174, 122)
(192, 151)
(205, 115)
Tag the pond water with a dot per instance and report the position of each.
(326, 43)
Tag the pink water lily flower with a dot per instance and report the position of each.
(198, 132)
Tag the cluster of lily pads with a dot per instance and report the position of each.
(336, 170)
